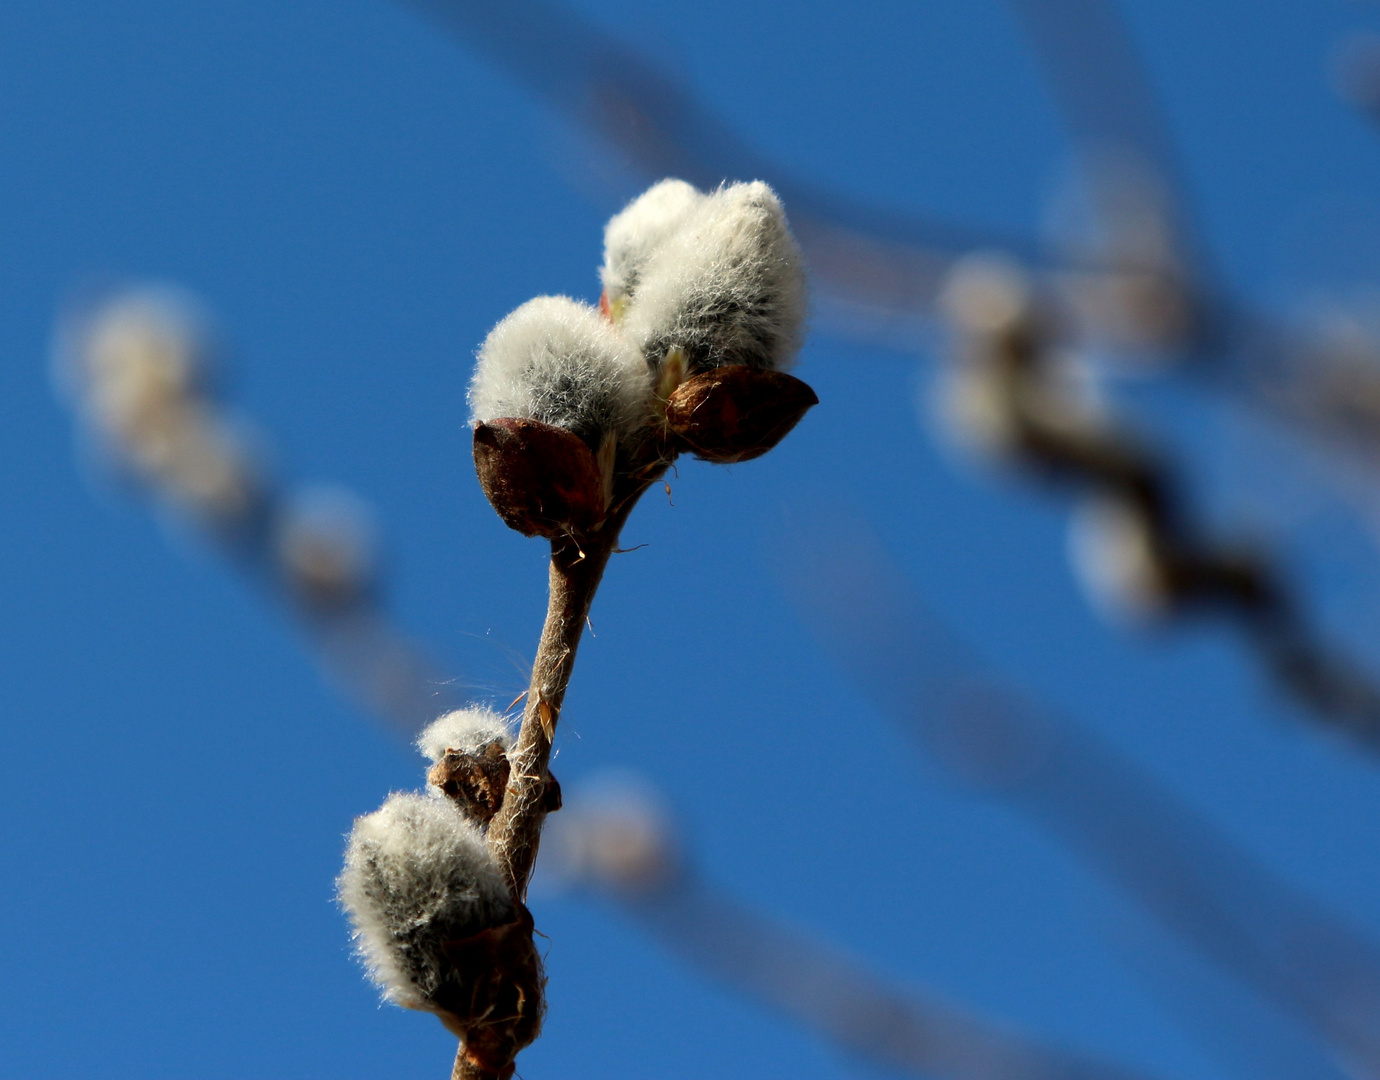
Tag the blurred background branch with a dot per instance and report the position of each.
(1137, 544)
(619, 841)
(137, 365)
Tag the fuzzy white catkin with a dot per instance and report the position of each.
(987, 294)
(1113, 554)
(327, 543)
(466, 730)
(634, 234)
(417, 875)
(726, 287)
(560, 362)
(139, 350)
(138, 360)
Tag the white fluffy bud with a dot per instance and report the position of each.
(467, 730)
(634, 234)
(987, 294)
(138, 361)
(725, 287)
(327, 546)
(559, 362)
(1114, 555)
(617, 834)
(418, 875)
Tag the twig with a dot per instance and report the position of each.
(1107, 97)
(624, 846)
(1006, 349)
(516, 830)
(838, 998)
(322, 573)
(576, 569)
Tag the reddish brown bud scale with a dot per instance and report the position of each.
(473, 781)
(736, 413)
(541, 479)
(477, 782)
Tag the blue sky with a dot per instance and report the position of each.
(359, 197)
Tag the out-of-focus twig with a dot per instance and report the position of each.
(1100, 81)
(1108, 101)
(619, 842)
(1174, 864)
(1157, 283)
(1355, 71)
(137, 366)
(1140, 547)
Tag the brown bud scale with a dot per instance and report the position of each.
(541, 479)
(736, 413)
(475, 782)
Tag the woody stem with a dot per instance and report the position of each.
(575, 572)
(515, 832)
(576, 569)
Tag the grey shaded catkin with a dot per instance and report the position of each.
(418, 875)
(560, 362)
(726, 286)
(634, 234)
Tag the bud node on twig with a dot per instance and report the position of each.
(499, 1011)
(474, 781)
